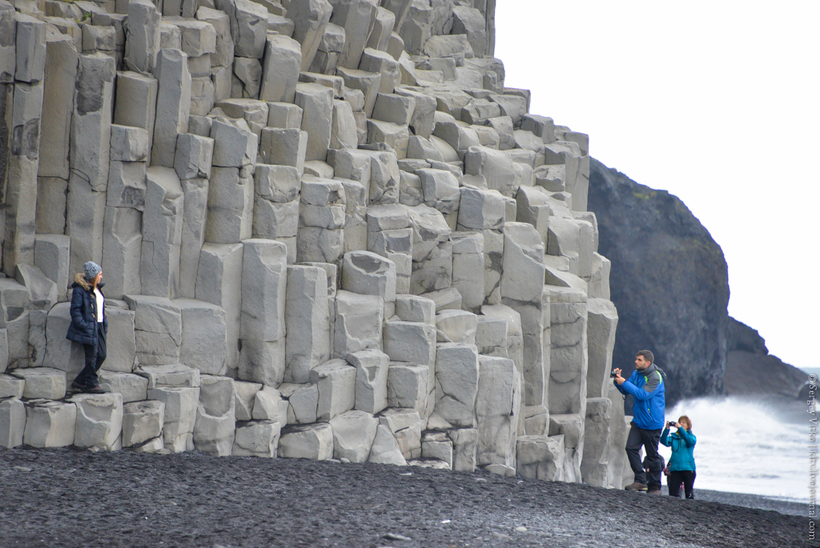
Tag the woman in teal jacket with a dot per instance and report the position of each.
(682, 463)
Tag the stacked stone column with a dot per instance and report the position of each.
(327, 230)
(21, 93)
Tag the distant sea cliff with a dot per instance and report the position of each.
(670, 283)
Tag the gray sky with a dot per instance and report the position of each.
(716, 102)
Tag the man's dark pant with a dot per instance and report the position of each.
(94, 358)
(678, 477)
(649, 440)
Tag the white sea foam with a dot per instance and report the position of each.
(745, 446)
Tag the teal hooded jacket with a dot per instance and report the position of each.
(682, 443)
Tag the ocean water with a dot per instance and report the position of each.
(750, 446)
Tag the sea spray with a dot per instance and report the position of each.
(747, 446)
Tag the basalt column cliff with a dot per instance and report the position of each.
(327, 230)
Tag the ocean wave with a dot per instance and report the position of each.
(747, 446)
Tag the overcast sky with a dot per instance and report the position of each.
(716, 102)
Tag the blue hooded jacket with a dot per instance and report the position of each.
(649, 391)
(682, 443)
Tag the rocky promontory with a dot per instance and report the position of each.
(749, 361)
(669, 281)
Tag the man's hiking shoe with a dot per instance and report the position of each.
(636, 487)
(78, 387)
(655, 491)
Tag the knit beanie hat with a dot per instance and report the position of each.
(91, 269)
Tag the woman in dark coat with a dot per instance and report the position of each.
(89, 325)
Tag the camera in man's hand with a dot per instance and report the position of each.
(671, 423)
(614, 374)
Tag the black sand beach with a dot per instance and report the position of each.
(67, 498)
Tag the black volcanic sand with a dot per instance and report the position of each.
(68, 497)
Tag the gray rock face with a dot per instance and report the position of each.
(230, 206)
(162, 233)
(51, 256)
(99, 421)
(50, 423)
(336, 381)
(89, 149)
(358, 324)
(158, 329)
(594, 465)
(62, 60)
(173, 104)
(9, 55)
(204, 342)
(369, 274)
(498, 409)
(307, 319)
(456, 383)
(176, 374)
(220, 266)
(180, 415)
(215, 427)
(12, 423)
(313, 441)
(356, 17)
(310, 18)
(540, 457)
(60, 352)
(195, 199)
(91, 126)
(602, 320)
(121, 340)
(353, 435)
(405, 426)
(385, 448)
(248, 26)
(569, 351)
(42, 383)
(264, 287)
(257, 439)
(336, 232)
(143, 42)
(523, 265)
(371, 380)
(142, 422)
(651, 314)
(280, 73)
(134, 388)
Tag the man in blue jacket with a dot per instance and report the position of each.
(647, 387)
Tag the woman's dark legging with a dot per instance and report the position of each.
(94, 358)
(686, 477)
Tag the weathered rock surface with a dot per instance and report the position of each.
(334, 231)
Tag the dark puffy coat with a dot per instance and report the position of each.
(83, 328)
